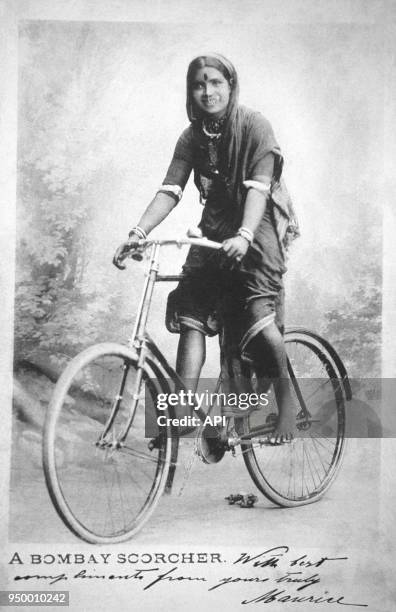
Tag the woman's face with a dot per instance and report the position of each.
(211, 92)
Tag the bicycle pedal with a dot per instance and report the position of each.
(233, 499)
(243, 500)
(248, 501)
(265, 442)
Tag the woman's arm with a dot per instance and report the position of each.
(255, 205)
(165, 199)
(254, 209)
(158, 209)
(173, 184)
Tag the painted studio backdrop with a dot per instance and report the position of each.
(100, 109)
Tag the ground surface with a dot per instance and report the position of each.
(346, 521)
(349, 511)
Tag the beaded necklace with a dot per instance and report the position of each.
(212, 128)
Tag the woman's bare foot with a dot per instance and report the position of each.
(285, 429)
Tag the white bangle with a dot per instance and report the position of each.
(261, 187)
(172, 189)
(139, 232)
(245, 232)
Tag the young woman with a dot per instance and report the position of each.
(237, 168)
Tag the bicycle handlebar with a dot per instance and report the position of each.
(201, 242)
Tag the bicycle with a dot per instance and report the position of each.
(105, 478)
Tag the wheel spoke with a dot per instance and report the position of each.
(140, 454)
(319, 455)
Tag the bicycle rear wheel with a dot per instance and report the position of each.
(300, 472)
(103, 492)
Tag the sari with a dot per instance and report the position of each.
(237, 305)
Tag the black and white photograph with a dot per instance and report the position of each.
(198, 286)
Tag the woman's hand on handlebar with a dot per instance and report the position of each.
(235, 248)
(132, 244)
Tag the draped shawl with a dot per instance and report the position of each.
(247, 139)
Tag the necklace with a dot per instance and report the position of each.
(209, 134)
(212, 129)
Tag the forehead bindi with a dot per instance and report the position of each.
(207, 73)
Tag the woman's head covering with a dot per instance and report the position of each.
(213, 60)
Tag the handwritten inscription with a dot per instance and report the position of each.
(287, 578)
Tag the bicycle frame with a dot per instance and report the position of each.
(142, 343)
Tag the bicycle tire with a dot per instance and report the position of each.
(103, 494)
(300, 472)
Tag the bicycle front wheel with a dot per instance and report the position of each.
(104, 490)
(300, 472)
